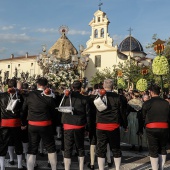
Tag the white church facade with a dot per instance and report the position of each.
(100, 47)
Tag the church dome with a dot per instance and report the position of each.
(130, 44)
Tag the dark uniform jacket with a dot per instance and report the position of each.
(5, 114)
(114, 113)
(39, 107)
(156, 110)
(92, 114)
(80, 104)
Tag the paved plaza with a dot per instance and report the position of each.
(131, 160)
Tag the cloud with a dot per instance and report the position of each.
(14, 38)
(70, 32)
(3, 50)
(75, 32)
(25, 28)
(47, 30)
(20, 53)
(5, 28)
(117, 39)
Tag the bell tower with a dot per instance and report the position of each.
(99, 47)
(99, 29)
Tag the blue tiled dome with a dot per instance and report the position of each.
(135, 45)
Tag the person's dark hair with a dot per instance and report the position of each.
(6, 81)
(135, 93)
(100, 85)
(42, 81)
(49, 85)
(96, 86)
(120, 91)
(77, 85)
(12, 83)
(165, 96)
(147, 92)
(25, 86)
(33, 87)
(155, 89)
(90, 89)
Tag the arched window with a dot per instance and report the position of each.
(102, 33)
(96, 33)
(98, 19)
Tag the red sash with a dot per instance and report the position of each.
(11, 122)
(159, 125)
(72, 127)
(107, 126)
(40, 123)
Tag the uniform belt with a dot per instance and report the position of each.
(40, 123)
(72, 127)
(161, 125)
(107, 126)
(11, 122)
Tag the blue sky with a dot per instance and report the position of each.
(27, 24)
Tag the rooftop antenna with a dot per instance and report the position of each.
(100, 4)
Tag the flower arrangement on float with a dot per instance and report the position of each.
(160, 66)
(121, 84)
(142, 85)
(63, 78)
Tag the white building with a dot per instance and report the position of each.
(101, 50)
(22, 64)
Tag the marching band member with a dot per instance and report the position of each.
(41, 111)
(156, 113)
(108, 123)
(10, 123)
(74, 125)
(92, 128)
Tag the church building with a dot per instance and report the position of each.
(101, 51)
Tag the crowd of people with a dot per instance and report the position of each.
(30, 117)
